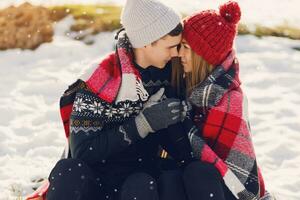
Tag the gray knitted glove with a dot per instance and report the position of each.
(186, 110)
(158, 114)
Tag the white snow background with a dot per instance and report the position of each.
(31, 82)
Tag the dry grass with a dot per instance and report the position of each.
(103, 17)
(97, 18)
(284, 30)
(16, 190)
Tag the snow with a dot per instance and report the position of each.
(32, 136)
(270, 73)
(273, 12)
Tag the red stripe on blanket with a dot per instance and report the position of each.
(106, 79)
(209, 156)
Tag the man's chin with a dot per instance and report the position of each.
(160, 66)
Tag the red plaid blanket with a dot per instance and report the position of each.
(222, 133)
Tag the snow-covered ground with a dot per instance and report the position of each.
(31, 82)
(266, 12)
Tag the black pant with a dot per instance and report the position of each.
(73, 179)
(202, 181)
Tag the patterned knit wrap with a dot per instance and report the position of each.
(115, 80)
(222, 133)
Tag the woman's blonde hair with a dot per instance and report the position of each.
(200, 70)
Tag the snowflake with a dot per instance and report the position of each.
(137, 108)
(79, 105)
(126, 110)
(110, 112)
(97, 107)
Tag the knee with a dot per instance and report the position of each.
(69, 166)
(71, 178)
(64, 163)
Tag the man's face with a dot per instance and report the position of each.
(161, 52)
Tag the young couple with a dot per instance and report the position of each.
(143, 127)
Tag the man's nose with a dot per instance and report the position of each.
(174, 52)
(180, 54)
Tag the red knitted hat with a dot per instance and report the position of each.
(211, 34)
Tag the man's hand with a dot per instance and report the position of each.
(158, 114)
(155, 98)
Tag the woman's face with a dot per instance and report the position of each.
(185, 54)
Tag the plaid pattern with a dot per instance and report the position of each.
(222, 133)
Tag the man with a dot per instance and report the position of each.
(112, 125)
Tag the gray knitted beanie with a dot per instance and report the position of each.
(146, 21)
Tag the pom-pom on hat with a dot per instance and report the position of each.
(211, 34)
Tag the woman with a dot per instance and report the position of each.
(212, 87)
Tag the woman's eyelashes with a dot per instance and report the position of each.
(185, 46)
